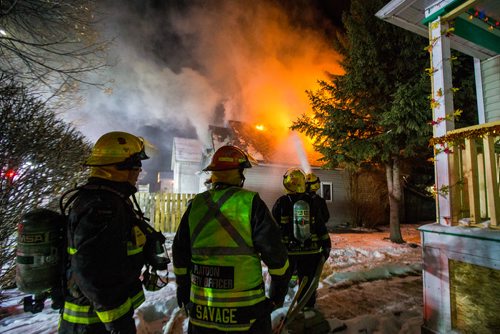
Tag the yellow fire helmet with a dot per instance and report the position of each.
(312, 182)
(121, 149)
(294, 181)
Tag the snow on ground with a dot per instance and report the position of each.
(369, 285)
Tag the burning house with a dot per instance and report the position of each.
(274, 156)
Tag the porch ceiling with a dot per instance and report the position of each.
(410, 15)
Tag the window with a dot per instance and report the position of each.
(326, 191)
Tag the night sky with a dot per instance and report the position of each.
(182, 65)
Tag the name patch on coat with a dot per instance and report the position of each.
(221, 315)
(215, 277)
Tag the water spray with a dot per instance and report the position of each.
(299, 147)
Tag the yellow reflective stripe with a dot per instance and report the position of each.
(132, 249)
(326, 236)
(180, 271)
(138, 299)
(139, 236)
(222, 327)
(116, 313)
(226, 294)
(81, 320)
(79, 314)
(76, 308)
(85, 314)
(245, 303)
(280, 271)
(210, 297)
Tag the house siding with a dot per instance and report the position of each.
(186, 180)
(267, 180)
(491, 88)
(339, 207)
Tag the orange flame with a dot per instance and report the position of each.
(272, 61)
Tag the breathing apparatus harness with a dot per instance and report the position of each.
(157, 258)
(42, 256)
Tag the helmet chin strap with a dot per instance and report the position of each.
(242, 182)
(133, 175)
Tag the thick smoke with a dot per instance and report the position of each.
(182, 65)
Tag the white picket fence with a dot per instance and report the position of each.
(164, 210)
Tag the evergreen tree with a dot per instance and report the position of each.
(377, 113)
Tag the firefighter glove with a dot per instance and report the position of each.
(183, 292)
(278, 290)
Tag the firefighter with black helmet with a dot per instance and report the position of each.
(217, 251)
(105, 246)
(302, 227)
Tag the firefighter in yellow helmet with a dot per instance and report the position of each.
(313, 184)
(222, 238)
(105, 246)
(302, 227)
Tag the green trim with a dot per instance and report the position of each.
(473, 33)
(446, 9)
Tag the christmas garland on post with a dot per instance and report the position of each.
(471, 132)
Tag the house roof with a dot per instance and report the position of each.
(472, 36)
(263, 145)
(187, 150)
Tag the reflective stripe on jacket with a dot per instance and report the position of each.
(87, 315)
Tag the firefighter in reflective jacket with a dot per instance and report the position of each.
(302, 227)
(217, 251)
(105, 255)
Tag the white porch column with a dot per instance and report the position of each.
(443, 116)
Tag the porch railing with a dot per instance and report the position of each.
(164, 210)
(474, 169)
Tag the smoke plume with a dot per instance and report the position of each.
(182, 65)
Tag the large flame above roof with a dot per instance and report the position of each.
(260, 59)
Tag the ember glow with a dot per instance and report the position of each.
(260, 127)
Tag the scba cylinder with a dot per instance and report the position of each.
(39, 251)
(301, 221)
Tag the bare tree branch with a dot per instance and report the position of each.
(50, 43)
